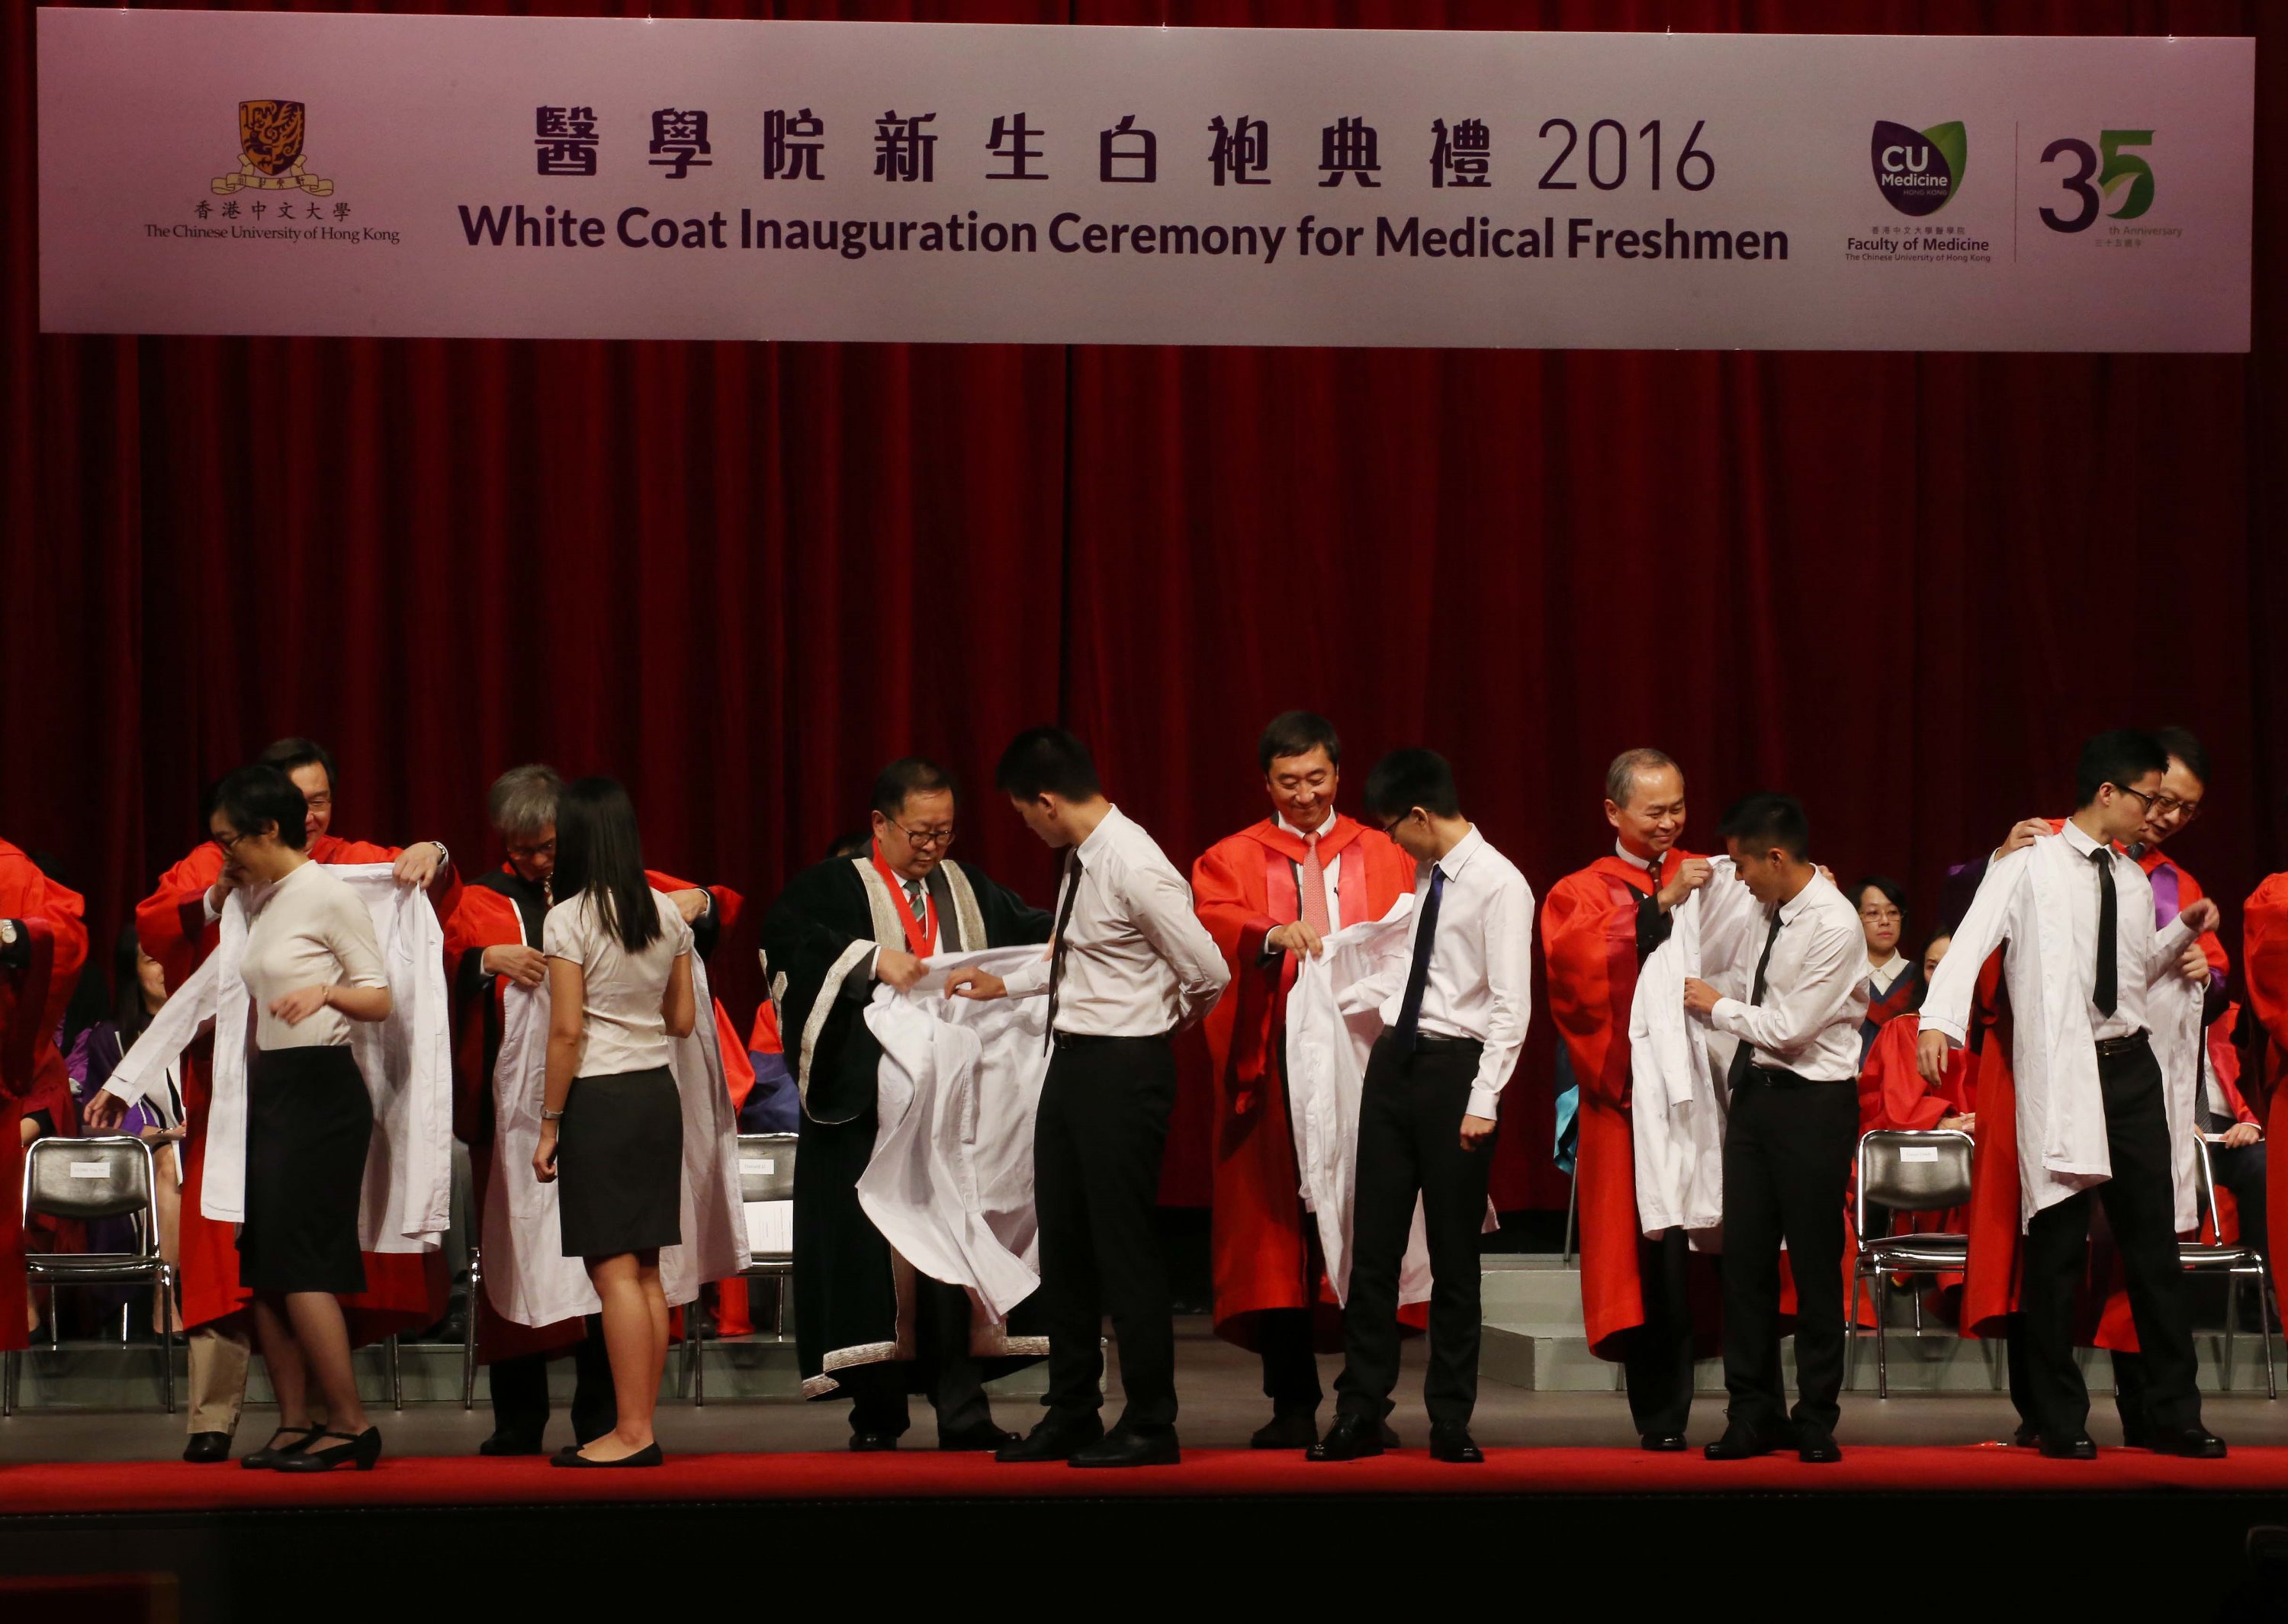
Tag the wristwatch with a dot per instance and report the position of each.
(7, 932)
(546, 1115)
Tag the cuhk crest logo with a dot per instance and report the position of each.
(1919, 172)
(270, 152)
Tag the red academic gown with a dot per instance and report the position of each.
(32, 1002)
(2264, 961)
(404, 1291)
(482, 918)
(1589, 940)
(1244, 888)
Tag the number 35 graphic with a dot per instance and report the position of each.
(2118, 166)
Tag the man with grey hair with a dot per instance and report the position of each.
(1598, 927)
(493, 938)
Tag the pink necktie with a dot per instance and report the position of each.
(1315, 889)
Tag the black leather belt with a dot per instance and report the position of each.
(2108, 1048)
(1088, 1039)
(1425, 1039)
(1774, 1077)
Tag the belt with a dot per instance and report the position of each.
(1089, 1040)
(1431, 1041)
(2108, 1048)
(1774, 1077)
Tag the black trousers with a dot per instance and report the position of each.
(1097, 1144)
(942, 1367)
(1409, 1145)
(520, 1389)
(2241, 1170)
(2140, 1202)
(1656, 1356)
(1788, 1146)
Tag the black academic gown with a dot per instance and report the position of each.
(852, 1296)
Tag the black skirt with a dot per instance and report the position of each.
(619, 1164)
(309, 1121)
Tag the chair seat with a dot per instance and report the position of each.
(770, 1263)
(1913, 1252)
(91, 1266)
(2195, 1256)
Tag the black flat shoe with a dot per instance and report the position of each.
(2078, 1447)
(1122, 1448)
(1662, 1443)
(205, 1448)
(1455, 1447)
(872, 1442)
(1816, 1446)
(1297, 1430)
(2193, 1444)
(358, 1449)
(977, 1439)
(509, 1444)
(1740, 1444)
(266, 1458)
(648, 1456)
(1052, 1440)
(1350, 1438)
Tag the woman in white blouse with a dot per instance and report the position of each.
(620, 995)
(312, 966)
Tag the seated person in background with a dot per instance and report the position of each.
(772, 1105)
(1892, 988)
(1892, 1095)
(2235, 1137)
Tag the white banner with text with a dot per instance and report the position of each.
(577, 177)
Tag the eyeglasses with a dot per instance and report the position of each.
(2147, 801)
(923, 840)
(546, 848)
(2163, 802)
(319, 802)
(1881, 915)
(228, 842)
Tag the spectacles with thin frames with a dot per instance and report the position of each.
(922, 840)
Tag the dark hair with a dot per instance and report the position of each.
(1047, 761)
(600, 852)
(2120, 759)
(1891, 888)
(855, 843)
(911, 776)
(1297, 732)
(2180, 742)
(1404, 780)
(127, 1013)
(261, 794)
(289, 755)
(1768, 819)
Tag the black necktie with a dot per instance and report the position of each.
(1071, 877)
(1743, 1057)
(2106, 990)
(1418, 976)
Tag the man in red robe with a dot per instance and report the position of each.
(1268, 895)
(43, 944)
(492, 938)
(2264, 961)
(178, 925)
(1639, 1293)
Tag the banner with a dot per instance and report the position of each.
(561, 177)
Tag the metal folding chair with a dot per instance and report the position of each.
(766, 1174)
(109, 1176)
(1905, 1172)
(2236, 1264)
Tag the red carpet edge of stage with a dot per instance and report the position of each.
(83, 1488)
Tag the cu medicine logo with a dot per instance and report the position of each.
(1918, 172)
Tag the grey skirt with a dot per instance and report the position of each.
(619, 1164)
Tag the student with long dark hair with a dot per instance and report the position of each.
(620, 994)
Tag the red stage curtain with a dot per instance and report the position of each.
(740, 576)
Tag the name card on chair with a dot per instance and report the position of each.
(1918, 1152)
(90, 1169)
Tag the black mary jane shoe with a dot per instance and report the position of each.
(206, 1448)
(648, 1456)
(358, 1449)
(266, 1458)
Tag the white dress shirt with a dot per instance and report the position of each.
(1882, 977)
(1815, 988)
(1480, 980)
(2133, 934)
(1137, 960)
(1630, 858)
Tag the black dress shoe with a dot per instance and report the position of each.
(1662, 1443)
(2077, 1448)
(361, 1450)
(205, 1448)
(1351, 1438)
(1124, 1447)
(1296, 1429)
(285, 1441)
(1388, 1434)
(1052, 1440)
(872, 1442)
(1816, 1446)
(1453, 1445)
(509, 1444)
(974, 1439)
(648, 1456)
(1741, 1443)
(2025, 1437)
(2193, 1443)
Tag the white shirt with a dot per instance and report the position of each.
(623, 1028)
(1481, 979)
(1645, 863)
(1882, 977)
(2133, 934)
(1137, 960)
(1815, 988)
(308, 930)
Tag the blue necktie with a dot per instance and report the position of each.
(1418, 976)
